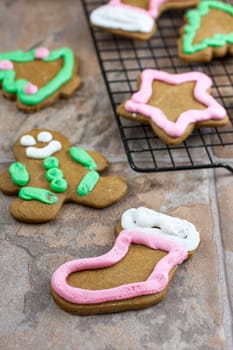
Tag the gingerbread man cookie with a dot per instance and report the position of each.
(37, 78)
(174, 104)
(208, 32)
(135, 273)
(134, 18)
(49, 172)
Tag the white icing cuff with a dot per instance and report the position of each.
(113, 17)
(152, 222)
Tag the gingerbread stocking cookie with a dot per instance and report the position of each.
(49, 172)
(134, 18)
(135, 273)
(174, 104)
(37, 78)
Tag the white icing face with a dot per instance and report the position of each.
(51, 147)
(123, 18)
(172, 228)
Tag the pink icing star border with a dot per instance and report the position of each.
(153, 9)
(155, 283)
(138, 101)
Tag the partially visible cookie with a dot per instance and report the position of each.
(135, 273)
(37, 78)
(174, 104)
(50, 172)
(207, 32)
(134, 19)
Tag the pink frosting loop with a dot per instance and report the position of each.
(30, 89)
(155, 283)
(138, 101)
(41, 52)
(6, 64)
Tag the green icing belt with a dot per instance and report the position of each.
(194, 22)
(12, 86)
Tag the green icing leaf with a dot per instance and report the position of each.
(194, 18)
(19, 174)
(82, 157)
(87, 183)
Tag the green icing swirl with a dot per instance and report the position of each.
(19, 174)
(59, 185)
(51, 162)
(53, 173)
(39, 194)
(82, 157)
(10, 85)
(194, 22)
(87, 183)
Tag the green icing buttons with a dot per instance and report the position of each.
(11, 85)
(194, 22)
(82, 157)
(87, 183)
(39, 194)
(19, 174)
(55, 175)
(51, 162)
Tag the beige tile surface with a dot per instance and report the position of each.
(197, 312)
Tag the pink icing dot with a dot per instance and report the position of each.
(6, 64)
(41, 52)
(30, 89)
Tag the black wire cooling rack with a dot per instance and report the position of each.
(121, 61)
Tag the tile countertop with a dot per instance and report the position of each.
(197, 312)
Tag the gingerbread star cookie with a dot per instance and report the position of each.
(174, 104)
(134, 18)
(49, 172)
(135, 273)
(37, 78)
(208, 32)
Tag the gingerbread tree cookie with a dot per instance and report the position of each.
(208, 32)
(134, 18)
(39, 77)
(135, 273)
(174, 104)
(49, 172)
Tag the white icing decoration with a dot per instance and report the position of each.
(172, 228)
(44, 152)
(44, 136)
(27, 140)
(122, 18)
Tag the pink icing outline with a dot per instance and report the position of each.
(30, 89)
(41, 52)
(155, 283)
(6, 64)
(137, 103)
(153, 10)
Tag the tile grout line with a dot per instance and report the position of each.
(227, 316)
